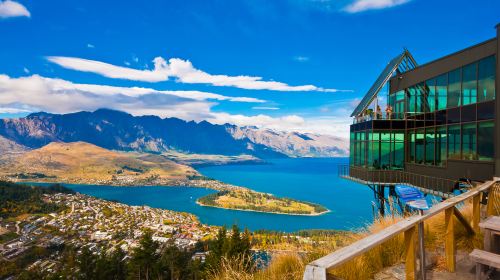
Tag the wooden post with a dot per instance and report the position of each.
(476, 212)
(449, 246)
(410, 236)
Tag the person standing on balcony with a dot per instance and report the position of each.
(388, 112)
(378, 112)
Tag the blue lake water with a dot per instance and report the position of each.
(310, 179)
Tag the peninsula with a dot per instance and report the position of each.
(84, 163)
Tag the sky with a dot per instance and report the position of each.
(294, 65)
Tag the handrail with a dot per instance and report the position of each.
(317, 269)
(382, 176)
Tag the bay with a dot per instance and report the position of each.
(309, 179)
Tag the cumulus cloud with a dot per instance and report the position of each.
(181, 70)
(35, 93)
(10, 8)
(365, 5)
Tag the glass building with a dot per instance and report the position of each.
(439, 122)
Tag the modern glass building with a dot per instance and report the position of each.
(440, 125)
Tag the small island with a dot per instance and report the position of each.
(248, 200)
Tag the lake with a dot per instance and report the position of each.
(310, 179)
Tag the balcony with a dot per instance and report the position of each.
(432, 185)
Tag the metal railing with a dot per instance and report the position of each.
(387, 177)
(318, 269)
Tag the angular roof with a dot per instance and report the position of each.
(401, 63)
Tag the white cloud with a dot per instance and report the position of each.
(13, 110)
(26, 70)
(90, 46)
(182, 70)
(300, 58)
(10, 8)
(36, 93)
(60, 85)
(265, 108)
(365, 5)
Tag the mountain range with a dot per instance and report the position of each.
(115, 130)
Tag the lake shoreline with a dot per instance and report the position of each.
(267, 212)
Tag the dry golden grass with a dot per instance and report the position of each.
(81, 162)
(291, 266)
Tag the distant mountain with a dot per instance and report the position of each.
(293, 144)
(117, 130)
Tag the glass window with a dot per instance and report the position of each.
(385, 154)
(485, 145)
(454, 142)
(419, 146)
(469, 141)
(376, 155)
(399, 105)
(469, 84)
(429, 146)
(430, 87)
(411, 147)
(486, 79)
(420, 98)
(440, 145)
(411, 100)
(454, 92)
(441, 90)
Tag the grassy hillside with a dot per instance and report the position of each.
(244, 199)
(81, 162)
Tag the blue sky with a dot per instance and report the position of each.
(284, 64)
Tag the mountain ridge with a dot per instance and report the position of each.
(116, 130)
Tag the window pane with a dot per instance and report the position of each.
(469, 141)
(385, 153)
(375, 155)
(486, 83)
(411, 100)
(429, 146)
(431, 95)
(411, 148)
(440, 145)
(454, 92)
(420, 98)
(441, 90)
(485, 135)
(419, 146)
(398, 152)
(454, 142)
(469, 84)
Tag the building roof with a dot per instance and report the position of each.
(401, 63)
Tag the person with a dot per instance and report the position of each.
(388, 112)
(378, 112)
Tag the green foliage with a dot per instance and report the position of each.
(236, 246)
(17, 199)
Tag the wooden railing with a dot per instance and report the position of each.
(382, 176)
(318, 269)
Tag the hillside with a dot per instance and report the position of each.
(81, 162)
(115, 130)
